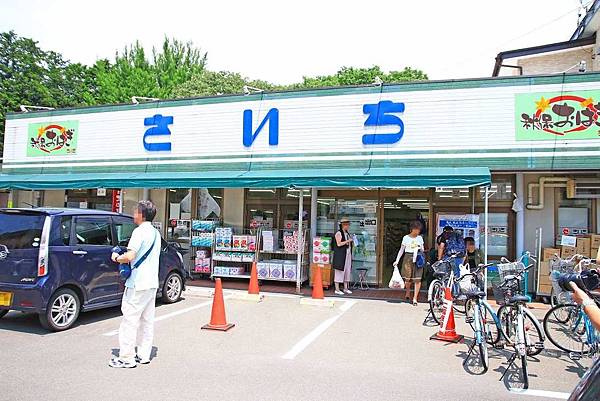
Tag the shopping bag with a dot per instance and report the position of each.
(397, 281)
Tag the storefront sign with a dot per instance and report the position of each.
(116, 200)
(465, 224)
(557, 115)
(568, 240)
(424, 124)
(101, 192)
(52, 138)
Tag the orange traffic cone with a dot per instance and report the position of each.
(218, 321)
(253, 286)
(317, 291)
(447, 330)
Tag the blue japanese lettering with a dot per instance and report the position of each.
(379, 115)
(160, 126)
(272, 117)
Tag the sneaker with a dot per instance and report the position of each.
(117, 363)
(142, 361)
(338, 292)
(347, 291)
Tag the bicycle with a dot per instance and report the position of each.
(569, 265)
(568, 327)
(519, 326)
(443, 271)
(478, 318)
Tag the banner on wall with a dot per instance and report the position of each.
(465, 224)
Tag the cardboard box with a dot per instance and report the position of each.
(289, 271)
(544, 288)
(548, 253)
(275, 270)
(567, 251)
(544, 269)
(595, 241)
(584, 246)
(262, 270)
(594, 254)
(326, 273)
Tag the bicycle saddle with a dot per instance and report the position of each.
(518, 298)
(475, 294)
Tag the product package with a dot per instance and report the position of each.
(262, 269)
(289, 270)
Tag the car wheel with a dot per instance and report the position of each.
(3, 313)
(172, 288)
(62, 311)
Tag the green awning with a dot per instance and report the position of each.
(345, 178)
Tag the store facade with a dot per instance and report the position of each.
(379, 155)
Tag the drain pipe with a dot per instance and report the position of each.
(543, 182)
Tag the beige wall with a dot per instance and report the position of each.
(233, 207)
(55, 198)
(557, 62)
(539, 218)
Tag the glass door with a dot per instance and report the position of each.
(363, 224)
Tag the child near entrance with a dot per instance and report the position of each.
(411, 245)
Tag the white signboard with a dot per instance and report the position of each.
(568, 240)
(400, 123)
(465, 224)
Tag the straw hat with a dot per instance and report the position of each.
(344, 220)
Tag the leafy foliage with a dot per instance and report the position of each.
(361, 76)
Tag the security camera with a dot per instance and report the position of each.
(582, 66)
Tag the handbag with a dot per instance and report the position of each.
(420, 262)
(397, 282)
(125, 269)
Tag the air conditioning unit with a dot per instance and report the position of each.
(583, 188)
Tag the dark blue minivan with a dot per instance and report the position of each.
(56, 263)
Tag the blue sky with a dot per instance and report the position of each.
(281, 41)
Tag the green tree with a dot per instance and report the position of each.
(32, 76)
(211, 83)
(134, 74)
(361, 76)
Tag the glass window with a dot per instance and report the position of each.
(574, 216)
(498, 231)
(93, 232)
(89, 199)
(65, 229)
(20, 230)
(501, 189)
(452, 194)
(124, 229)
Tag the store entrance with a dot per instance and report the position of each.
(397, 215)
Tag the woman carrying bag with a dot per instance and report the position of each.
(342, 257)
(414, 259)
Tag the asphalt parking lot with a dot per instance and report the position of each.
(279, 350)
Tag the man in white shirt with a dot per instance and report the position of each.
(140, 289)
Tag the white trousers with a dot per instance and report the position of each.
(137, 326)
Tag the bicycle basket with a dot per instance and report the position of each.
(440, 267)
(468, 284)
(501, 294)
(508, 269)
(562, 266)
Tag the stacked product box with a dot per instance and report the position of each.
(321, 252)
(290, 241)
(202, 240)
(203, 225)
(262, 269)
(228, 270)
(269, 241)
(223, 237)
(225, 256)
(289, 270)
(275, 269)
(202, 261)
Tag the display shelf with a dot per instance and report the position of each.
(281, 252)
(232, 261)
(230, 275)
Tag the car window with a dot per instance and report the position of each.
(124, 229)
(93, 231)
(20, 230)
(65, 229)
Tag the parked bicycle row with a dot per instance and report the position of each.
(513, 326)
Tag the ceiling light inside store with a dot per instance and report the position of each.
(412, 200)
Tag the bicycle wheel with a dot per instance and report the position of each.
(436, 302)
(533, 331)
(567, 334)
(483, 347)
(506, 330)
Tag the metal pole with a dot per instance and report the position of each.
(520, 223)
(313, 212)
(485, 217)
(300, 242)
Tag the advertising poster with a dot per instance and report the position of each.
(52, 139)
(466, 224)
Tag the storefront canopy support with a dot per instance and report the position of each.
(485, 224)
(299, 266)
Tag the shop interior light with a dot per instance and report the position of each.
(411, 200)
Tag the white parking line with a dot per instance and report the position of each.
(542, 393)
(316, 332)
(171, 314)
